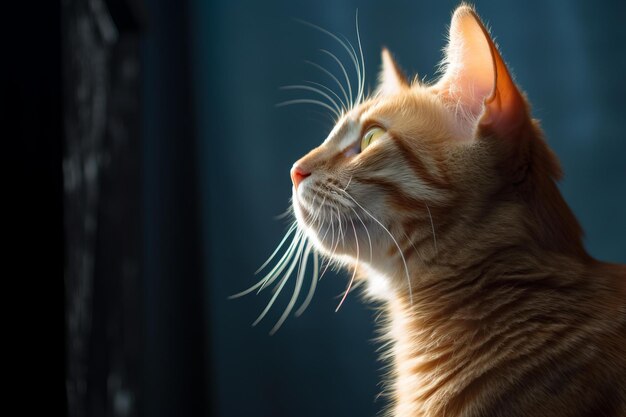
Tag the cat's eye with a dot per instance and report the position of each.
(371, 136)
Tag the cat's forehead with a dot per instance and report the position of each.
(412, 110)
(345, 130)
(350, 126)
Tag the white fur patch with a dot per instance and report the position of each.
(378, 287)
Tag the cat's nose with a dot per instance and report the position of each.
(298, 174)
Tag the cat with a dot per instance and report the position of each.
(442, 199)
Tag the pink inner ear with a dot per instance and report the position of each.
(476, 82)
(469, 76)
(391, 80)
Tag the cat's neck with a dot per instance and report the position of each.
(437, 337)
(461, 291)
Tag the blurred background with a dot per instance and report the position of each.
(162, 162)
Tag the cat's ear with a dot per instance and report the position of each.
(477, 79)
(391, 79)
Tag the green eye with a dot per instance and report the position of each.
(371, 136)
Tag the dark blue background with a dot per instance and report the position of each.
(232, 56)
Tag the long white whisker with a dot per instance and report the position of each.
(315, 90)
(247, 291)
(345, 73)
(324, 119)
(369, 239)
(283, 262)
(275, 272)
(284, 214)
(413, 245)
(335, 37)
(317, 213)
(406, 268)
(309, 296)
(343, 237)
(340, 233)
(282, 282)
(293, 227)
(312, 215)
(356, 239)
(296, 292)
(343, 106)
(302, 258)
(348, 184)
(309, 101)
(331, 75)
(322, 221)
(334, 240)
(358, 36)
(354, 58)
(332, 225)
(432, 225)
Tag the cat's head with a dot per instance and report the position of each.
(409, 173)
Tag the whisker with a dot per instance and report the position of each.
(330, 74)
(296, 292)
(324, 119)
(336, 243)
(322, 221)
(282, 283)
(413, 245)
(406, 269)
(348, 184)
(343, 106)
(342, 43)
(332, 240)
(315, 90)
(283, 262)
(369, 239)
(284, 214)
(311, 292)
(354, 58)
(309, 101)
(293, 227)
(345, 73)
(275, 272)
(432, 225)
(345, 295)
(300, 258)
(317, 213)
(311, 215)
(343, 236)
(358, 36)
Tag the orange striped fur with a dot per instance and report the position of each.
(493, 306)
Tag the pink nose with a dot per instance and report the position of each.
(298, 174)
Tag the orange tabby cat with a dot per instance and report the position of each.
(443, 200)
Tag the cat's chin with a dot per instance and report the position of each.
(345, 253)
(344, 241)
